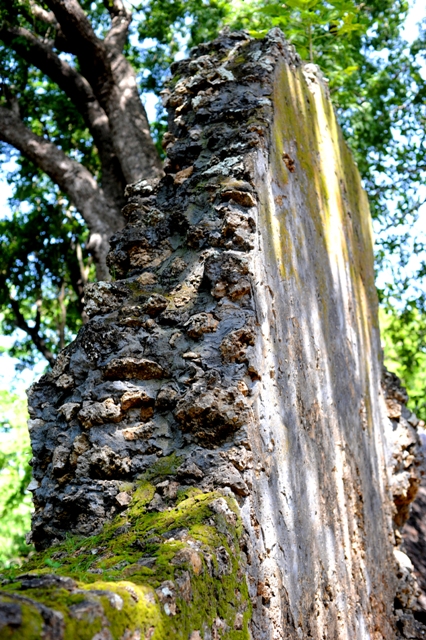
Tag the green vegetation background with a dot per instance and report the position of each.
(15, 475)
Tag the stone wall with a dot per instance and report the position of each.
(238, 346)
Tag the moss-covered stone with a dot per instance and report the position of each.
(148, 574)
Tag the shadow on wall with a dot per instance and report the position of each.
(414, 532)
(324, 497)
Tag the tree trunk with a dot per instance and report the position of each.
(104, 91)
(218, 429)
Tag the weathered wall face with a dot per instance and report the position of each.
(241, 338)
(323, 500)
(330, 477)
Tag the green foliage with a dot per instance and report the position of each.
(321, 31)
(40, 270)
(404, 341)
(15, 475)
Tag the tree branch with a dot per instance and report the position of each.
(78, 275)
(101, 215)
(120, 22)
(89, 49)
(40, 54)
(115, 7)
(77, 88)
(33, 333)
(37, 323)
(48, 17)
(114, 84)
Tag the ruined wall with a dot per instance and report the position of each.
(238, 347)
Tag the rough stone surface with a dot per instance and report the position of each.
(414, 533)
(241, 340)
(130, 584)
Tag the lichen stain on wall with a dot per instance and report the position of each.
(318, 400)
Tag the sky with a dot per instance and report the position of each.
(417, 12)
(418, 230)
(18, 382)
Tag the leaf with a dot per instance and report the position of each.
(301, 4)
(272, 9)
(54, 564)
(350, 70)
(259, 34)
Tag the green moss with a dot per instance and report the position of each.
(32, 622)
(133, 557)
(164, 467)
(189, 492)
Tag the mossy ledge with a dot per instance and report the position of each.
(152, 575)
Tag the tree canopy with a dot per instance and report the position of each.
(72, 118)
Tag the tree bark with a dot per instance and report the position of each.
(41, 55)
(414, 532)
(219, 430)
(114, 84)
